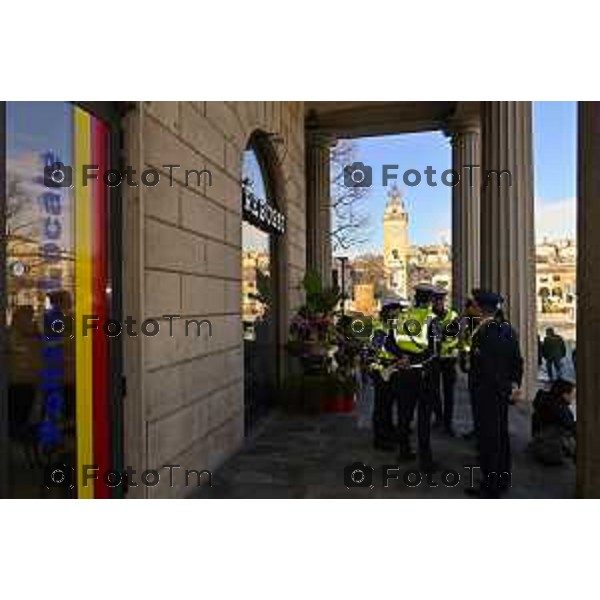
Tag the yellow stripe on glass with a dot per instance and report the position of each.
(83, 301)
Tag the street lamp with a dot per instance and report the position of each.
(343, 260)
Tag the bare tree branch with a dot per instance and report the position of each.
(351, 222)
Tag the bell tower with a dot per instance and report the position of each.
(395, 244)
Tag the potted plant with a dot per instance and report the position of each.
(312, 330)
(347, 391)
(339, 395)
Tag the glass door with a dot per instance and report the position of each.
(259, 300)
(58, 385)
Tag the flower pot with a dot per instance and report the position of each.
(337, 404)
(347, 403)
(328, 404)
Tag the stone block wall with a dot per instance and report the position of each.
(182, 256)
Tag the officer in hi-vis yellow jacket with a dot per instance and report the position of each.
(382, 369)
(415, 345)
(444, 377)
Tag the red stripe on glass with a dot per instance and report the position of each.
(100, 237)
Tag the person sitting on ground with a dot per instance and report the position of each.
(553, 424)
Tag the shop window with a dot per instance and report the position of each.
(59, 246)
(262, 226)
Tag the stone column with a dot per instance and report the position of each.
(318, 203)
(466, 161)
(588, 301)
(507, 220)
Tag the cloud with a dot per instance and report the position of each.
(555, 218)
(442, 235)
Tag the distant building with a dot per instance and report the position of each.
(431, 263)
(555, 281)
(373, 278)
(396, 248)
(364, 298)
(252, 261)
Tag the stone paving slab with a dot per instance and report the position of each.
(304, 457)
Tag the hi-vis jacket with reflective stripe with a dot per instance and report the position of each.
(412, 334)
(450, 341)
(380, 355)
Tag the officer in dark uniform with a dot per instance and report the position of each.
(468, 323)
(496, 371)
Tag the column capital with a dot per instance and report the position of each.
(314, 134)
(456, 127)
(319, 138)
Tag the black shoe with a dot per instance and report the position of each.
(384, 446)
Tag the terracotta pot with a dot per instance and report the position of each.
(348, 403)
(328, 404)
(337, 404)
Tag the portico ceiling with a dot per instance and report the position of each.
(362, 119)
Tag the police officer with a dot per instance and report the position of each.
(385, 435)
(445, 365)
(468, 324)
(415, 346)
(496, 372)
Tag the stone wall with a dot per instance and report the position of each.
(182, 255)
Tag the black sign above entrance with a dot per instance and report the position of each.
(260, 212)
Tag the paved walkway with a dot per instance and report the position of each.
(304, 457)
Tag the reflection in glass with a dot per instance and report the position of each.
(57, 269)
(257, 305)
(40, 272)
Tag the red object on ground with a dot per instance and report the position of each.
(348, 403)
(337, 404)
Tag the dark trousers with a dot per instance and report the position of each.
(416, 392)
(447, 369)
(425, 399)
(474, 401)
(437, 407)
(406, 402)
(552, 365)
(494, 441)
(383, 411)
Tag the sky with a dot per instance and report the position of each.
(554, 130)
(37, 127)
(252, 237)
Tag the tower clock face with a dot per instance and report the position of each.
(18, 269)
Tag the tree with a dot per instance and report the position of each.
(369, 268)
(350, 220)
(18, 203)
(418, 274)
